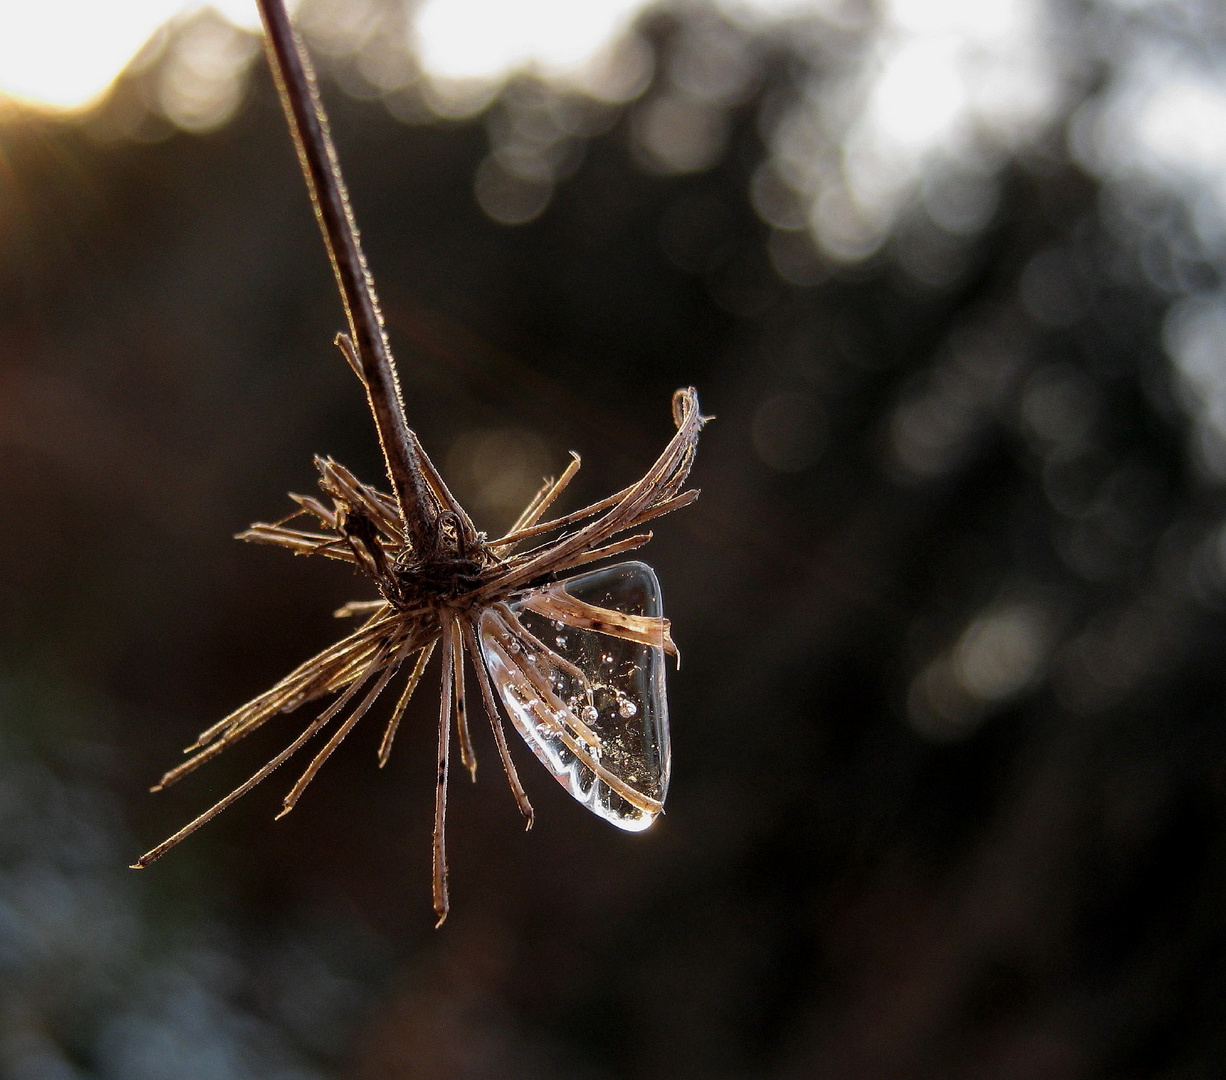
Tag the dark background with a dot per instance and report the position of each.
(949, 743)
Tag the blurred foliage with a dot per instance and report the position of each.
(949, 740)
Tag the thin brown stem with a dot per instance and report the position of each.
(543, 499)
(307, 734)
(440, 788)
(308, 124)
(500, 737)
(468, 757)
(385, 747)
(338, 736)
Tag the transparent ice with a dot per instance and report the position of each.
(584, 687)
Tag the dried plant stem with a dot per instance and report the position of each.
(440, 787)
(442, 583)
(385, 747)
(304, 737)
(309, 125)
(338, 737)
(495, 718)
(468, 757)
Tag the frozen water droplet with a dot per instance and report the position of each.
(613, 686)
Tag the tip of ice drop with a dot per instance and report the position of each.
(633, 824)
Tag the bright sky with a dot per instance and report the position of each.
(475, 38)
(65, 53)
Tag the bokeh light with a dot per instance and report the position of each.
(478, 39)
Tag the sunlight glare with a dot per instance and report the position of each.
(948, 77)
(485, 39)
(63, 54)
(919, 97)
(66, 54)
(1183, 124)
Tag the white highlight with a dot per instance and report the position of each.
(1162, 122)
(951, 79)
(480, 39)
(64, 54)
(1183, 125)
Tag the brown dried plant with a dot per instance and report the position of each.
(442, 581)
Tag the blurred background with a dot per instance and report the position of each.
(950, 734)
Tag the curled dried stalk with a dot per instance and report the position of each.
(440, 581)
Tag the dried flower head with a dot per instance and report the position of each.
(576, 662)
